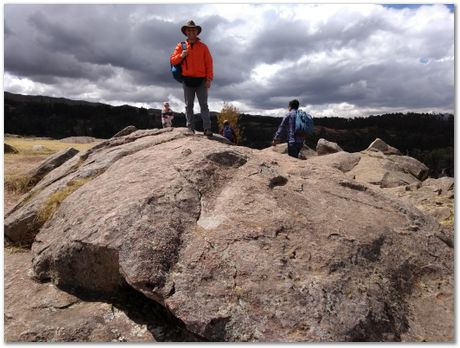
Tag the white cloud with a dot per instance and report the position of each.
(337, 59)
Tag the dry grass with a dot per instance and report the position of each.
(16, 249)
(16, 166)
(55, 200)
(17, 184)
(50, 146)
(450, 221)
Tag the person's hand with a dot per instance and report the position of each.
(183, 54)
(208, 83)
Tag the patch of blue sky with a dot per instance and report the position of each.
(451, 7)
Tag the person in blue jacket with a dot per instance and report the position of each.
(286, 131)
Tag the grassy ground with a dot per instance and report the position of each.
(50, 146)
(16, 166)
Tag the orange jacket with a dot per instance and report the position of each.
(198, 62)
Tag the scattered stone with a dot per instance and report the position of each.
(379, 145)
(305, 152)
(40, 148)
(49, 164)
(324, 147)
(125, 131)
(9, 148)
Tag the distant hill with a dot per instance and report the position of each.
(426, 137)
(44, 99)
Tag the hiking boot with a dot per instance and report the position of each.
(208, 132)
(191, 129)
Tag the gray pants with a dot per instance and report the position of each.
(202, 94)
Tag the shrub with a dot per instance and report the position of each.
(17, 183)
(231, 114)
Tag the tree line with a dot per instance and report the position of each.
(426, 137)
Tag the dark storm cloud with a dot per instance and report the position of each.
(373, 57)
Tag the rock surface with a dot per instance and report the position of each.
(51, 163)
(305, 152)
(125, 131)
(37, 312)
(324, 147)
(7, 148)
(379, 145)
(388, 171)
(243, 245)
(79, 140)
(432, 196)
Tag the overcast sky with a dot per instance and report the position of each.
(337, 59)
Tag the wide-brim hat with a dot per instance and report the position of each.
(190, 24)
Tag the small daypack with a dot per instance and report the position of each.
(303, 123)
(177, 69)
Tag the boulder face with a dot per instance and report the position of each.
(379, 145)
(241, 244)
(324, 147)
(7, 148)
(125, 131)
(40, 312)
(52, 162)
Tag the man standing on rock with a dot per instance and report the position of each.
(286, 130)
(197, 71)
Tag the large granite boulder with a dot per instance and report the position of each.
(40, 312)
(343, 161)
(433, 196)
(37, 312)
(324, 147)
(401, 176)
(379, 145)
(387, 171)
(125, 131)
(241, 244)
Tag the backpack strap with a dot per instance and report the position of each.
(184, 47)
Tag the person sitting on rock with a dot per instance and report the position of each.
(166, 116)
(228, 132)
(286, 130)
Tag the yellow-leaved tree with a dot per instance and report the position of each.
(231, 114)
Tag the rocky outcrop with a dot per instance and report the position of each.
(7, 148)
(125, 131)
(379, 145)
(432, 196)
(241, 244)
(324, 147)
(388, 171)
(378, 165)
(36, 312)
(343, 161)
(305, 152)
(49, 164)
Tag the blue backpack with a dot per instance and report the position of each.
(303, 123)
(177, 69)
(228, 132)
